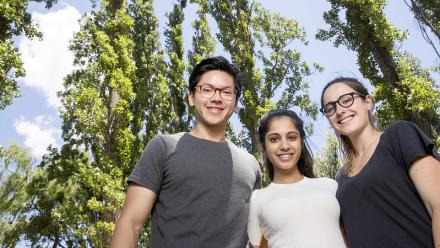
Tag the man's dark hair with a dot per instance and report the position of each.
(216, 63)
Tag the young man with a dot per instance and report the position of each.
(197, 185)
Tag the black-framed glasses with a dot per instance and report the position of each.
(208, 91)
(344, 101)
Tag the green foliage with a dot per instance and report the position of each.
(427, 15)
(123, 92)
(254, 36)
(176, 68)
(419, 94)
(430, 9)
(366, 30)
(203, 43)
(15, 173)
(149, 82)
(57, 211)
(327, 162)
(14, 21)
(403, 89)
(98, 114)
(35, 206)
(127, 88)
(259, 42)
(11, 68)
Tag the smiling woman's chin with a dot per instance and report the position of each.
(346, 129)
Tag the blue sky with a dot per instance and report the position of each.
(33, 119)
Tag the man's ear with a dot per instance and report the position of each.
(191, 98)
(236, 106)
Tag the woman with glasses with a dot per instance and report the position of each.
(389, 185)
(296, 209)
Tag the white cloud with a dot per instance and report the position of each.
(38, 134)
(48, 61)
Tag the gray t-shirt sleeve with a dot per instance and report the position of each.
(149, 170)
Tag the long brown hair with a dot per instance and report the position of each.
(345, 145)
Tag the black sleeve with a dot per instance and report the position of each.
(408, 142)
(149, 170)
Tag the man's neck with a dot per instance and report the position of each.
(211, 133)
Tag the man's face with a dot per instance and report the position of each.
(214, 99)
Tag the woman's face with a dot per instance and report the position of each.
(349, 120)
(282, 145)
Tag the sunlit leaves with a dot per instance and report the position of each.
(327, 162)
(260, 43)
(14, 21)
(403, 89)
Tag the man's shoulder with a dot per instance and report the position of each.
(240, 151)
(171, 138)
(243, 158)
(166, 142)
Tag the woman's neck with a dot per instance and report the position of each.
(365, 140)
(287, 177)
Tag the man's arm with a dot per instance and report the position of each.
(425, 174)
(137, 207)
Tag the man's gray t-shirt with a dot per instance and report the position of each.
(203, 190)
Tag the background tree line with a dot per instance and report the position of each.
(129, 87)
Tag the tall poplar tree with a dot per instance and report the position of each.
(176, 68)
(152, 104)
(404, 90)
(259, 43)
(203, 43)
(97, 115)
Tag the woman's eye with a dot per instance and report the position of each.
(273, 139)
(292, 137)
(329, 109)
(346, 101)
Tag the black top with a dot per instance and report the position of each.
(380, 206)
